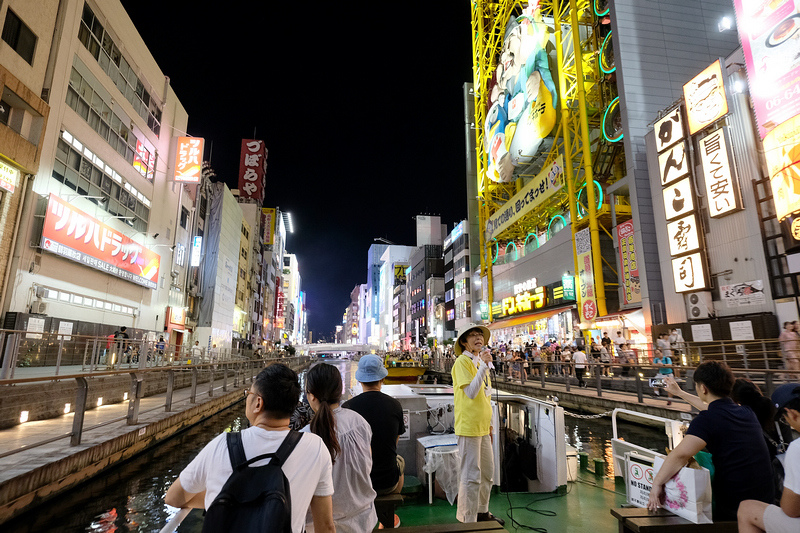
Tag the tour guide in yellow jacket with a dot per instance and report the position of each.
(473, 417)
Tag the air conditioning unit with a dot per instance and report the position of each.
(699, 305)
(39, 308)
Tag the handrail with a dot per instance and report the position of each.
(176, 520)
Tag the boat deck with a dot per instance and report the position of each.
(585, 507)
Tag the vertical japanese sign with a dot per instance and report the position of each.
(675, 176)
(9, 176)
(71, 233)
(588, 299)
(705, 97)
(252, 170)
(631, 286)
(268, 225)
(189, 159)
(722, 188)
(768, 32)
(689, 273)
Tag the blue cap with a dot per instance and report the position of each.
(784, 394)
(370, 369)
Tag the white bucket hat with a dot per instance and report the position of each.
(457, 348)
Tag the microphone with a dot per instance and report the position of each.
(489, 364)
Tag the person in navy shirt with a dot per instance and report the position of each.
(731, 433)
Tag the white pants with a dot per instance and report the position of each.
(475, 484)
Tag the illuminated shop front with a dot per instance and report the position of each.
(535, 313)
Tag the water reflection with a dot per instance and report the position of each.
(594, 435)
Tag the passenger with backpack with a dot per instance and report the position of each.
(279, 475)
(348, 436)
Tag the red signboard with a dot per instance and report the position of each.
(71, 233)
(189, 159)
(252, 170)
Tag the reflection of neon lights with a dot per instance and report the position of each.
(581, 210)
(614, 103)
(596, 12)
(603, 55)
(496, 250)
(563, 224)
(528, 237)
(516, 252)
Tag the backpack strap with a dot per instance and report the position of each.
(238, 458)
(236, 449)
(287, 447)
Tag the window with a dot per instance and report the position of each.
(102, 47)
(184, 217)
(19, 36)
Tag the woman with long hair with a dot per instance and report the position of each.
(347, 436)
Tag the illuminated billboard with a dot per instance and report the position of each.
(782, 152)
(71, 233)
(267, 225)
(523, 97)
(768, 30)
(705, 98)
(252, 169)
(189, 159)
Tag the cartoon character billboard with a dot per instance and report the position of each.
(523, 97)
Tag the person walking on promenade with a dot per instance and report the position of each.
(580, 359)
(790, 346)
(347, 436)
(473, 419)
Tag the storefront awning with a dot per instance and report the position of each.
(527, 319)
(629, 318)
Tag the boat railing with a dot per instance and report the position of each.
(621, 447)
(175, 521)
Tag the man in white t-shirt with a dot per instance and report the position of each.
(269, 404)
(579, 359)
(753, 515)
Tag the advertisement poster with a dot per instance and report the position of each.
(71, 233)
(268, 225)
(548, 182)
(742, 294)
(9, 176)
(742, 331)
(702, 333)
(631, 287)
(782, 152)
(523, 100)
(768, 32)
(588, 300)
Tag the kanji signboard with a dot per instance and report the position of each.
(252, 170)
(722, 188)
(71, 233)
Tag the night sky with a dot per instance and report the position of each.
(361, 111)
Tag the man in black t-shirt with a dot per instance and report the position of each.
(733, 436)
(385, 416)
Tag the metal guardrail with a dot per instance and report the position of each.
(240, 371)
(55, 351)
(754, 360)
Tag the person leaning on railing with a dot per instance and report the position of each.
(731, 433)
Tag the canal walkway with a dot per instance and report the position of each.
(38, 462)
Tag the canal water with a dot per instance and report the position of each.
(130, 497)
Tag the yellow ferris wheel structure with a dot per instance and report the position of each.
(586, 96)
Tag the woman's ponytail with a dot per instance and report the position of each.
(325, 383)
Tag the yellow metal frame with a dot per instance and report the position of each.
(577, 134)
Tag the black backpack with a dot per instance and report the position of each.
(254, 498)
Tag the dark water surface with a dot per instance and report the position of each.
(130, 497)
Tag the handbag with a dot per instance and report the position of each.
(688, 493)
